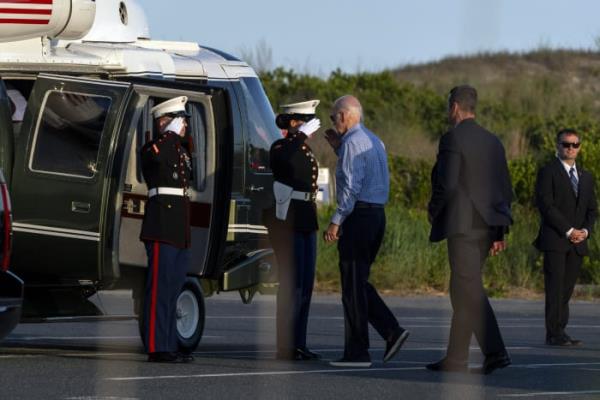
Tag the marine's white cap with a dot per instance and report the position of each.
(173, 106)
(305, 107)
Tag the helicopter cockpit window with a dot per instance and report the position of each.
(69, 132)
(262, 131)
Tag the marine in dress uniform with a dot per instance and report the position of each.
(166, 230)
(292, 230)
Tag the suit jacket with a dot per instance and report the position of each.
(561, 210)
(294, 164)
(471, 188)
(166, 163)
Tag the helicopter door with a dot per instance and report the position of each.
(261, 132)
(62, 177)
(6, 133)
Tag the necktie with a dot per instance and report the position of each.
(574, 180)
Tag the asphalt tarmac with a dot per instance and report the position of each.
(236, 358)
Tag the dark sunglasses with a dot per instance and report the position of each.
(333, 117)
(566, 145)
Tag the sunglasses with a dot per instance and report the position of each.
(333, 117)
(566, 145)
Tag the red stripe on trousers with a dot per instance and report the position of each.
(152, 334)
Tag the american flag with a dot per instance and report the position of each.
(27, 12)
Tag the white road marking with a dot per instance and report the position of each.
(538, 394)
(101, 398)
(265, 373)
(553, 365)
(474, 348)
(419, 326)
(99, 354)
(31, 338)
(445, 319)
(6, 356)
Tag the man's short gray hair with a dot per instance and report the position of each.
(349, 104)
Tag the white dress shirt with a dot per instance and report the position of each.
(567, 168)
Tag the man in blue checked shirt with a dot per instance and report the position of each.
(362, 186)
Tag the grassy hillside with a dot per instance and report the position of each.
(519, 95)
(499, 75)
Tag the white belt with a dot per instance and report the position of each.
(166, 190)
(304, 196)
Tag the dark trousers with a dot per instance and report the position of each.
(473, 313)
(561, 271)
(361, 236)
(167, 269)
(296, 254)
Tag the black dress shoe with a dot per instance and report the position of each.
(574, 342)
(185, 357)
(302, 353)
(447, 365)
(393, 345)
(493, 362)
(558, 341)
(165, 357)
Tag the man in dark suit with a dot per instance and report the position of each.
(567, 203)
(470, 207)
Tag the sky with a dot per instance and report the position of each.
(318, 36)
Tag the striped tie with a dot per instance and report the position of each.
(574, 180)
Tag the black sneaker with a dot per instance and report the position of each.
(348, 363)
(394, 344)
(493, 362)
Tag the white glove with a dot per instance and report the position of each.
(310, 127)
(175, 126)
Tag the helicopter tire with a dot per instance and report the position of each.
(190, 315)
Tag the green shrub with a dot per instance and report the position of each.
(407, 261)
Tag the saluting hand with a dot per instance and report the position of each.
(310, 127)
(333, 138)
(331, 234)
(497, 247)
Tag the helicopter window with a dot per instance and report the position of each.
(198, 132)
(262, 131)
(144, 134)
(69, 134)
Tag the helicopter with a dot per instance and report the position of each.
(77, 81)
